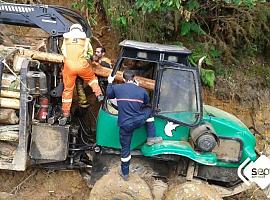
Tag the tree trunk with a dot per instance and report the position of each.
(8, 116)
(99, 70)
(9, 103)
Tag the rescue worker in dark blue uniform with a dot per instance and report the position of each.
(133, 113)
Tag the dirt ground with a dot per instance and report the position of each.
(41, 185)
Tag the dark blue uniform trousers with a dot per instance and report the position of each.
(126, 133)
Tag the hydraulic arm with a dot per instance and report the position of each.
(55, 20)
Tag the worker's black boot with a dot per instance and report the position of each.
(53, 119)
(124, 177)
(63, 120)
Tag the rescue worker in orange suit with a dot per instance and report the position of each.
(99, 57)
(77, 50)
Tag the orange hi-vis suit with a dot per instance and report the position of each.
(75, 64)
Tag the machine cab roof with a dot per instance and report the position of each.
(154, 52)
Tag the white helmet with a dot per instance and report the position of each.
(76, 26)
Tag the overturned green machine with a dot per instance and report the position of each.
(200, 142)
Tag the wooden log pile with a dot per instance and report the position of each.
(9, 136)
(9, 103)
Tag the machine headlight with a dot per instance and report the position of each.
(204, 137)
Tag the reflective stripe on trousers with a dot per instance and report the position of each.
(126, 133)
(70, 74)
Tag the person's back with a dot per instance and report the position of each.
(76, 50)
(76, 47)
(130, 100)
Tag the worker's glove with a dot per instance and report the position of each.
(111, 79)
(136, 82)
(100, 98)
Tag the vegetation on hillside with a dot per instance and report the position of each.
(222, 30)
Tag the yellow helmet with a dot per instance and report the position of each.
(76, 26)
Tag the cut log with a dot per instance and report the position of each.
(105, 72)
(10, 82)
(7, 149)
(9, 136)
(5, 128)
(10, 94)
(99, 70)
(44, 56)
(9, 103)
(8, 116)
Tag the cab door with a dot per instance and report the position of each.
(178, 94)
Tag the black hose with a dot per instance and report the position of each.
(86, 133)
(81, 125)
(76, 16)
(93, 116)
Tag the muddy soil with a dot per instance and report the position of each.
(238, 96)
(41, 185)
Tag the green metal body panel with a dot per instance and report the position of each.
(179, 148)
(225, 125)
(108, 132)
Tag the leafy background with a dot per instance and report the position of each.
(225, 31)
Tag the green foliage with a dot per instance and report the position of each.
(193, 5)
(248, 3)
(149, 6)
(191, 27)
(211, 56)
(224, 30)
(208, 77)
(130, 22)
(86, 7)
